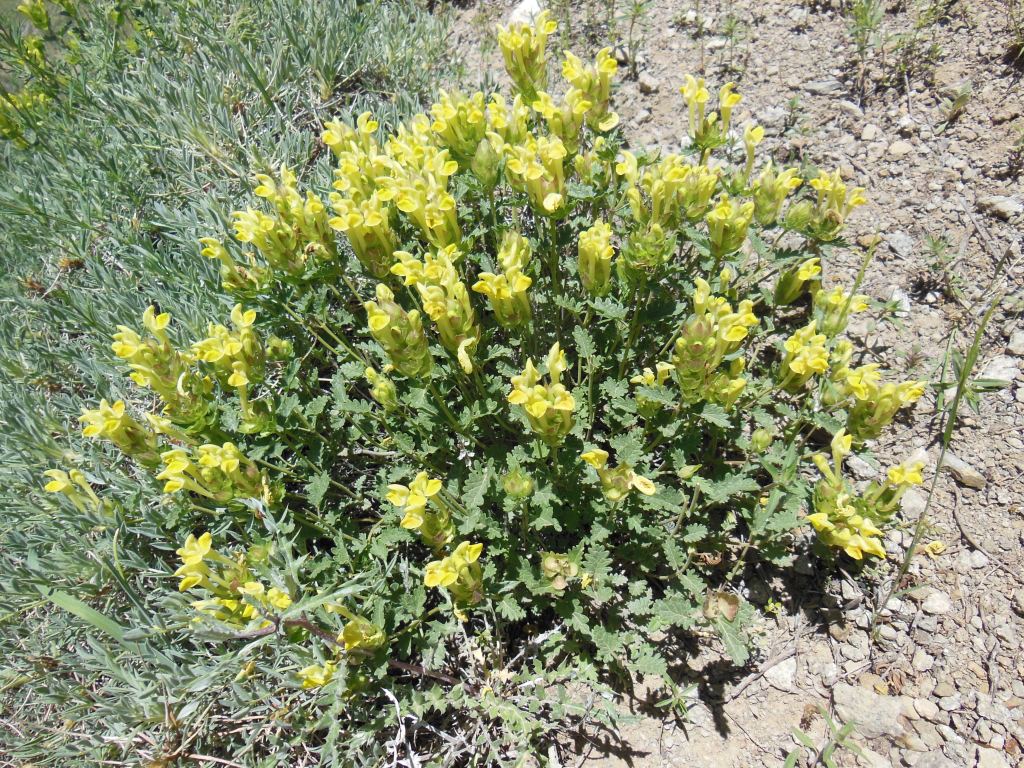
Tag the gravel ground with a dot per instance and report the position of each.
(940, 680)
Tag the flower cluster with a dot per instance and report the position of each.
(708, 129)
(400, 333)
(523, 48)
(549, 407)
(506, 292)
(595, 254)
(445, 299)
(296, 230)
(218, 472)
(113, 422)
(711, 334)
(806, 355)
(434, 524)
(824, 217)
(618, 481)
(459, 573)
(874, 403)
(850, 522)
(594, 82)
(382, 388)
(236, 596)
(157, 365)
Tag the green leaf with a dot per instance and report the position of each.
(317, 487)
(717, 491)
(676, 611)
(477, 485)
(734, 638)
(87, 614)
(607, 307)
(715, 414)
(584, 342)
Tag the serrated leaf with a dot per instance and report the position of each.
(715, 414)
(717, 491)
(647, 661)
(510, 609)
(477, 485)
(675, 611)
(734, 639)
(610, 308)
(584, 342)
(317, 487)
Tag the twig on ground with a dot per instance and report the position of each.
(959, 523)
(750, 679)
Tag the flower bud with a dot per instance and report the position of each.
(485, 164)
(517, 483)
(761, 440)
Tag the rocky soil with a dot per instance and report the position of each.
(939, 681)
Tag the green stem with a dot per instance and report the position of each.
(450, 416)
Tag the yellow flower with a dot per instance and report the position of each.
(617, 482)
(535, 166)
(595, 254)
(445, 299)
(514, 252)
(548, 407)
(832, 207)
(792, 282)
(832, 308)
(434, 526)
(507, 296)
(382, 389)
(770, 192)
(459, 573)
(727, 225)
(594, 82)
(908, 473)
(563, 120)
(714, 331)
(523, 49)
(194, 550)
(413, 499)
(752, 136)
(317, 675)
(400, 333)
(460, 123)
(805, 356)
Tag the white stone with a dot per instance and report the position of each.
(923, 661)
(525, 12)
(876, 715)
(783, 675)
(937, 603)
(648, 83)
(1016, 344)
(990, 758)
(900, 149)
(964, 473)
(1001, 206)
(1001, 368)
(927, 709)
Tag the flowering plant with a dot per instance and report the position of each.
(507, 376)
